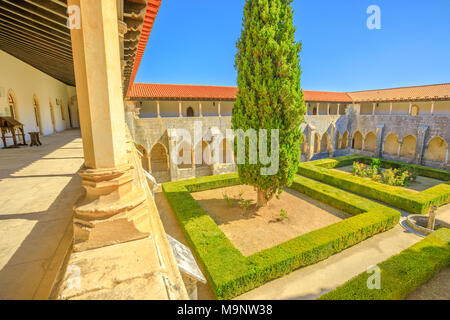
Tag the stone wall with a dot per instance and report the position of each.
(422, 139)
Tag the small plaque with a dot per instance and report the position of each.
(185, 260)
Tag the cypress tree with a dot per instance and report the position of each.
(269, 95)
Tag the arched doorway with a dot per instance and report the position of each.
(37, 114)
(324, 144)
(314, 111)
(391, 144)
(436, 150)
(144, 157)
(159, 159)
(338, 140)
(190, 112)
(52, 116)
(370, 143)
(357, 141)
(316, 143)
(344, 140)
(12, 104)
(204, 150)
(408, 148)
(186, 155)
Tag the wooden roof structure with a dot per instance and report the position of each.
(36, 32)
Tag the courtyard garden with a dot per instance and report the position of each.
(430, 186)
(238, 256)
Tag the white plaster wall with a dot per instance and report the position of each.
(25, 81)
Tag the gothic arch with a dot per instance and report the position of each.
(370, 142)
(204, 149)
(436, 150)
(143, 155)
(338, 140)
(408, 148)
(12, 103)
(344, 140)
(391, 144)
(52, 115)
(357, 140)
(316, 143)
(159, 158)
(324, 143)
(37, 114)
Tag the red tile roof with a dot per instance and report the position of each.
(176, 91)
(430, 92)
(193, 92)
(325, 96)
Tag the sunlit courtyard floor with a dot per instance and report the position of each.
(39, 186)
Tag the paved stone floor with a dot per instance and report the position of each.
(39, 186)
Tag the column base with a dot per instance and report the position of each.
(112, 210)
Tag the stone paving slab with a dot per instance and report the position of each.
(39, 187)
(120, 272)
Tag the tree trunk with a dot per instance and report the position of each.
(261, 201)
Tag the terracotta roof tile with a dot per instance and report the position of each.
(175, 91)
(194, 92)
(430, 92)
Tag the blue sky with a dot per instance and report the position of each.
(193, 42)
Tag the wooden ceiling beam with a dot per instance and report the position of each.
(11, 15)
(25, 44)
(47, 43)
(28, 29)
(34, 10)
(52, 67)
(55, 8)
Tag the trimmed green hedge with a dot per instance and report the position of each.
(415, 202)
(400, 274)
(231, 274)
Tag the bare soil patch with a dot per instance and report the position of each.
(421, 183)
(263, 228)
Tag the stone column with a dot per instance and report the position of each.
(432, 108)
(399, 148)
(379, 140)
(318, 108)
(338, 106)
(107, 176)
(390, 108)
(328, 109)
(158, 109)
(180, 114)
(218, 109)
(420, 146)
(200, 110)
(373, 108)
(410, 108)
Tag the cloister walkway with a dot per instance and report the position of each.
(39, 186)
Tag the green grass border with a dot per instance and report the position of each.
(230, 273)
(401, 274)
(399, 197)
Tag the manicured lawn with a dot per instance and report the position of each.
(230, 273)
(399, 197)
